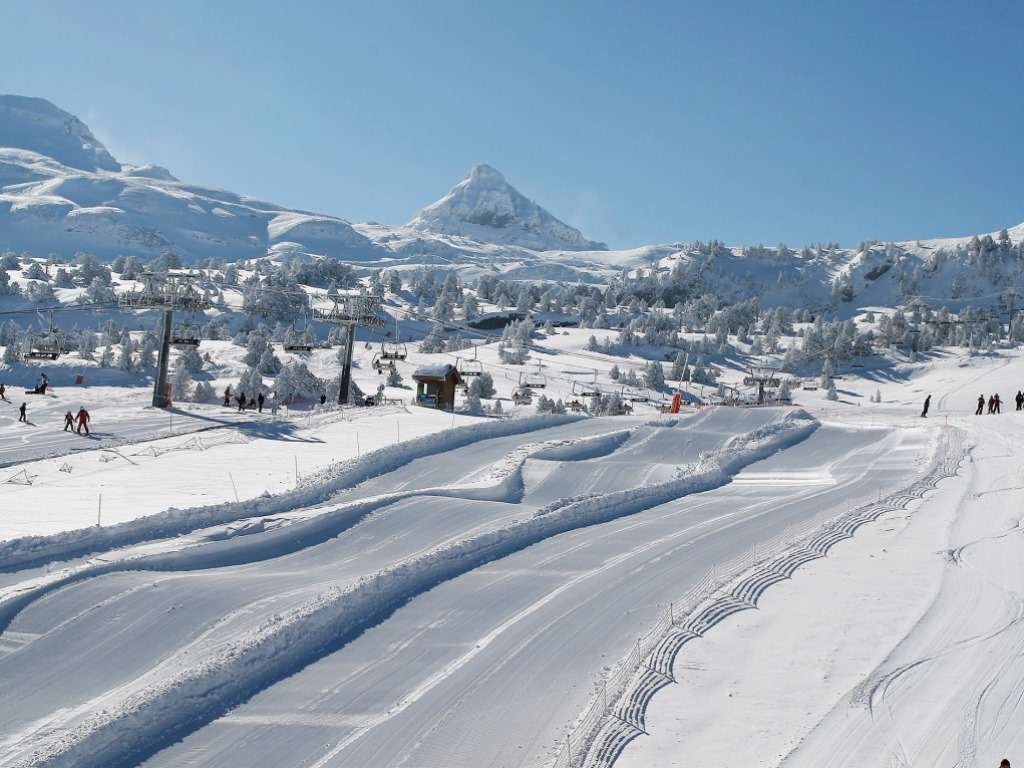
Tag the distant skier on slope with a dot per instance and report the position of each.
(69, 422)
(981, 405)
(21, 412)
(995, 403)
(1020, 400)
(927, 402)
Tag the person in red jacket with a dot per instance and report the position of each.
(83, 420)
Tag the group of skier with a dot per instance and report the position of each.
(83, 421)
(994, 402)
(254, 402)
(72, 422)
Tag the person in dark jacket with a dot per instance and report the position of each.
(927, 402)
(22, 416)
(1020, 400)
(981, 405)
(69, 422)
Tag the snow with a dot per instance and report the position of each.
(835, 582)
(450, 590)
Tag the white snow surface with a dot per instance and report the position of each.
(398, 586)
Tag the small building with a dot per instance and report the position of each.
(435, 385)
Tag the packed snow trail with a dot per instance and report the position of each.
(526, 633)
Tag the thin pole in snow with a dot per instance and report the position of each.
(296, 470)
(99, 512)
(233, 485)
(357, 443)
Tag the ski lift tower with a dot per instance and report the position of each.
(168, 293)
(350, 311)
(764, 377)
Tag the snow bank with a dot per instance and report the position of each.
(316, 488)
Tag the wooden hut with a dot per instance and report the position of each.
(435, 385)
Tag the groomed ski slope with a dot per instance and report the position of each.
(455, 598)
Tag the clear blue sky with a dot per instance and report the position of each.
(795, 121)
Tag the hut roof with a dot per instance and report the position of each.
(439, 372)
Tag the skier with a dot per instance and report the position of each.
(227, 396)
(995, 403)
(991, 403)
(1019, 398)
(241, 401)
(3, 389)
(1004, 763)
(273, 405)
(83, 420)
(981, 405)
(260, 400)
(927, 402)
(69, 422)
(22, 416)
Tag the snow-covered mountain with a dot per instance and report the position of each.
(485, 207)
(62, 193)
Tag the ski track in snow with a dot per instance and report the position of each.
(124, 719)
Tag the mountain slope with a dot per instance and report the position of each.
(485, 207)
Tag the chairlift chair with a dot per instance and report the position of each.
(522, 395)
(185, 335)
(298, 340)
(380, 364)
(534, 380)
(467, 368)
(393, 350)
(634, 395)
(48, 347)
(586, 389)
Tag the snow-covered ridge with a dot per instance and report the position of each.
(62, 193)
